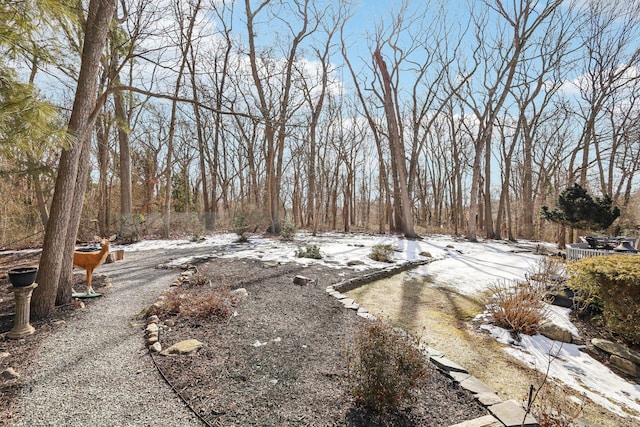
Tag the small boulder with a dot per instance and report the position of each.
(617, 349)
(151, 328)
(302, 280)
(240, 293)
(156, 347)
(153, 319)
(555, 332)
(425, 254)
(183, 347)
(625, 365)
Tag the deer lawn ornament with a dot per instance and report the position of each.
(89, 261)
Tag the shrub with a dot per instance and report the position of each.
(241, 225)
(381, 253)
(555, 408)
(199, 279)
(310, 251)
(213, 304)
(547, 271)
(288, 231)
(385, 366)
(518, 308)
(611, 283)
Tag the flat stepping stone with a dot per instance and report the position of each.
(488, 399)
(475, 386)
(347, 301)
(447, 364)
(459, 376)
(512, 415)
(366, 315)
(432, 352)
(486, 421)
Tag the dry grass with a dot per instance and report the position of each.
(518, 307)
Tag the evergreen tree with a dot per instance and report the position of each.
(577, 209)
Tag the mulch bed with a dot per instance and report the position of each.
(281, 359)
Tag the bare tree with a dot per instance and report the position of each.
(611, 57)
(275, 122)
(500, 63)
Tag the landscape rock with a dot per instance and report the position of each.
(475, 386)
(240, 293)
(151, 328)
(625, 365)
(153, 319)
(302, 280)
(512, 415)
(183, 347)
(170, 323)
(555, 332)
(354, 262)
(156, 348)
(347, 301)
(561, 298)
(151, 341)
(488, 399)
(486, 421)
(459, 376)
(9, 374)
(617, 349)
(447, 365)
(425, 254)
(366, 315)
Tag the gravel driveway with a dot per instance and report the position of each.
(95, 371)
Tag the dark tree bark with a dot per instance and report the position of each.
(70, 185)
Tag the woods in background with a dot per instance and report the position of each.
(425, 119)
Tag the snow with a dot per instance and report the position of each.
(468, 267)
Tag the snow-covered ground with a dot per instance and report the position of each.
(469, 268)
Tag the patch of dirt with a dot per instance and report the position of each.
(22, 352)
(281, 359)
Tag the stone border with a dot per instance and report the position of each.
(506, 413)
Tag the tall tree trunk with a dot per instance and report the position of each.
(471, 233)
(174, 112)
(488, 210)
(126, 192)
(397, 151)
(40, 199)
(102, 136)
(59, 229)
